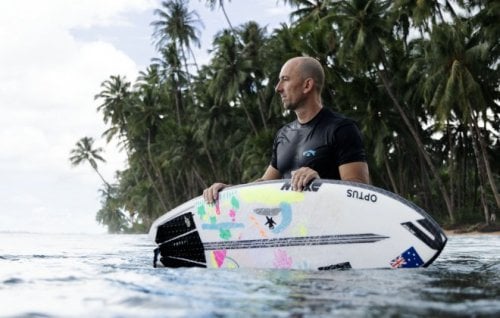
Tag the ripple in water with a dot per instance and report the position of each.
(112, 276)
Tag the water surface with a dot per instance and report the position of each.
(69, 275)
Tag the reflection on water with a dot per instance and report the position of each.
(112, 276)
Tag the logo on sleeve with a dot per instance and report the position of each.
(309, 153)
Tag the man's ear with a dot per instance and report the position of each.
(308, 85)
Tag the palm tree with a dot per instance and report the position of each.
(309, 10)
(177, 26)
(421, 11)
(213, 3)
(365, 27)
(84, 152)
(231, 71)
(111, 214)
(126, 111)
(116, 98)
(174, 80)
(378, 123)
(455, 60)
(254, 41)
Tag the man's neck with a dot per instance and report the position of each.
(306, 114)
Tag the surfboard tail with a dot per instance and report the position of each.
(179, 243)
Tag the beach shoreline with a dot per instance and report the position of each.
(473, 229)
(471, 233)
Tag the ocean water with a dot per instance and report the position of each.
(70, 275)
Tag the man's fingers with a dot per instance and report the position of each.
(206, 196)
(215, 192)
(294, 181)
(298, 181)
(211, 194)
(301, 178)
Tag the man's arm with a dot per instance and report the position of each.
(355, 171)
(271, 173)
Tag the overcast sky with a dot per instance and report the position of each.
(53, 57)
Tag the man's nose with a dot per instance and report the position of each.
(277, 88)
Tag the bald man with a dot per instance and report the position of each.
(319, 143)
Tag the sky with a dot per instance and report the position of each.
(54, 56)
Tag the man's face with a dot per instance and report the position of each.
(290, 86)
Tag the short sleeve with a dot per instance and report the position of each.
(349, 144)
(274, 155)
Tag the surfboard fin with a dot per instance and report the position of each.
(340, 266)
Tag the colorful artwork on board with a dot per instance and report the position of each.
(270, 213)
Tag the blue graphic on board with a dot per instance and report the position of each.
(225, 225)
(286, 217)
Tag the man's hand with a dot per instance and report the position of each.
(211, 194)
(301, 178)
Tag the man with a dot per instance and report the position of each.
(319, 143)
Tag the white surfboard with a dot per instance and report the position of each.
(330, 225)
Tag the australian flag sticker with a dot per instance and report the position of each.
(407, 259)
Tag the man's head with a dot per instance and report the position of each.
(300, 77)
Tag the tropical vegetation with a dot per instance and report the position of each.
(420, 77)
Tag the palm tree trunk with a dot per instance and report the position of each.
(194, 60)
(158, 173)
(426, 185)
(389, 173)
(178, 101)
(227, 19)
(211, 161)
(420, 146)
(480, 172)
(261, 111)
(486, 162)
(108, 186)
(198, 176)
(481, 168)
(173, 187)
(250, 121)
(451, 164)
(153, 184)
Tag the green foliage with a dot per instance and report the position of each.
(421, 81)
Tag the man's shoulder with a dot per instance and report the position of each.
(334, 118)
(326, 118)
(286, 128)
(294, 124)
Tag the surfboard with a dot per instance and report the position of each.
(330, 225)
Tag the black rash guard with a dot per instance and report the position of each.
(323, 144)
